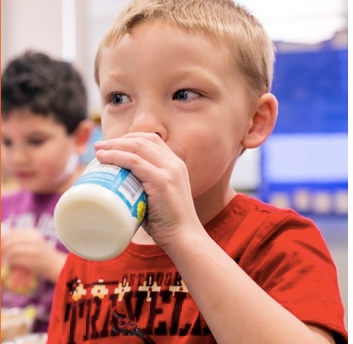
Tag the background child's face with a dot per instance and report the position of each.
(36, 151)
(161, 79)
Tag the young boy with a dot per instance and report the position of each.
(44, 129)
(185, 89)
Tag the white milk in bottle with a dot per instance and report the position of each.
(97, 217)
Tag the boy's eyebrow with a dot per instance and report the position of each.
(36, 133)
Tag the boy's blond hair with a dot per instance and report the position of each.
(222, 20)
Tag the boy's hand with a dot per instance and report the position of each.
(164, 177)
(27, 249)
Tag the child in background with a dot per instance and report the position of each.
(44, 127)
(185, 90)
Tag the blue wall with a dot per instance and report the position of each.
(305, 161)
(312, 91)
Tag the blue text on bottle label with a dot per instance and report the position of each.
(120, 181)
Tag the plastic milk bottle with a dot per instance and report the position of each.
(97, 217)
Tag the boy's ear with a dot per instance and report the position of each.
(82, 135)
(262, 122)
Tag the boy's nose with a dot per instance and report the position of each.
(149, 122)
(19, 155)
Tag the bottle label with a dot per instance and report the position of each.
(120, 181)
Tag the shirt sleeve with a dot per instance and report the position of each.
(290, 260)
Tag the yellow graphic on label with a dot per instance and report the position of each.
(141, 211)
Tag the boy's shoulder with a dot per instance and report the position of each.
(248, 217)
(14, 195)
(245, 204)
(14, 202)
(20, 200)
(251, 201)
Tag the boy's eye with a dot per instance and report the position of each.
(32, 142)
(185, 95)
(36, 142)
(118, 98)
(6, 142)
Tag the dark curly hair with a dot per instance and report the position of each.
(46, 87)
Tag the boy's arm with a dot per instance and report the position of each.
(56, 261)
(244, 313)
(27, 248)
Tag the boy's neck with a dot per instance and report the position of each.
(65, 185)
(212, 203)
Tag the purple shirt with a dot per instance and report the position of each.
(27, 210)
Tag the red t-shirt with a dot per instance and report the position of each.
(139, 297)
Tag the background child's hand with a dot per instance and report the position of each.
(27, 249)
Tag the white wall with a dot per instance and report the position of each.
(32, 24)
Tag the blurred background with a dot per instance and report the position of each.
(304, 165)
